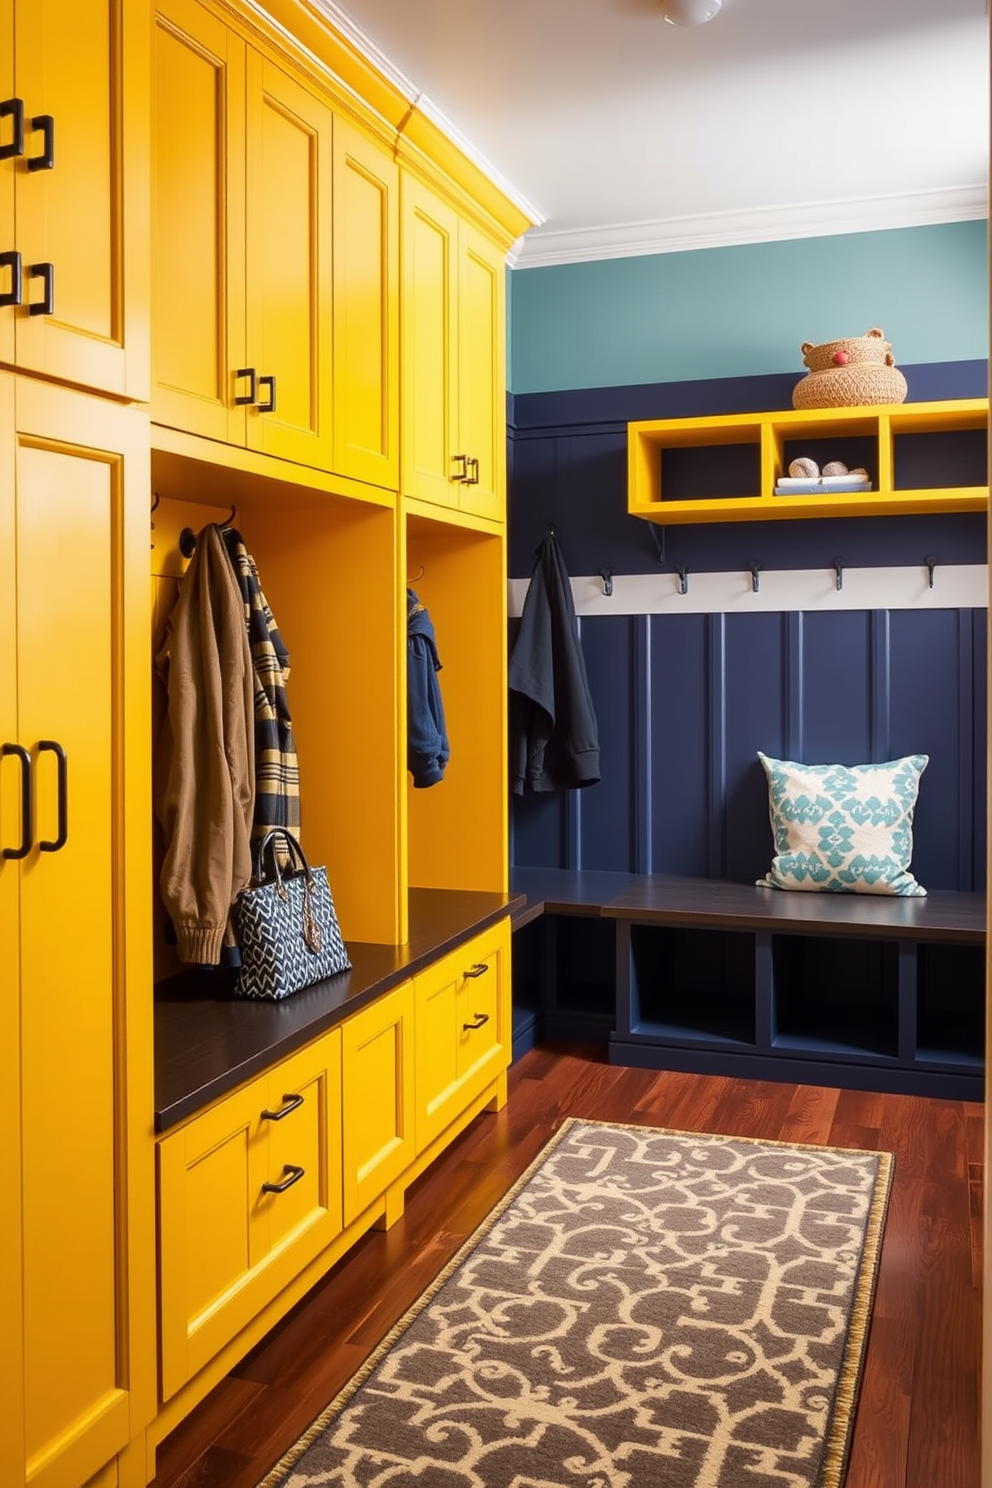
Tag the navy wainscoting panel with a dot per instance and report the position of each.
(684, 703)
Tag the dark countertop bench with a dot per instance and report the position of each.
(943, 915)
(207, 1041)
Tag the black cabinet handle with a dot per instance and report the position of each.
(270, 406)
(13, 108)
(46, 160)
(248, 372)
(14, 294)
(295, 1174)
(290, 1103)
(46, 273)
(477, 1021)
(477, 970)
(472, 471)
(55, 748)
(26, 806)
(462, 474)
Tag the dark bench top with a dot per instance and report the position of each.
(943, 915)
(207, 1041)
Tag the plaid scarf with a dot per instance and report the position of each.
(277, 776)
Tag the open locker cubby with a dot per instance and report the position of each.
(836, 995)
(950, 1017)
(691, 985)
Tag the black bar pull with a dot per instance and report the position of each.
(27, 811)
(270, 406)
(55, 748)
(477, 970)
(462, 474)
(472, 471)
(46, 160)
(248, 372)
(294, 1175)
(477, 1022)
(290, 1103)
(13, 108)
(15, 294)
(46, 273)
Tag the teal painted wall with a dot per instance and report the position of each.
(742, 311)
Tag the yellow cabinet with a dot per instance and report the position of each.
(249, 1193)
(73, 191)
(462, 1010)
(267, 214)
(77, 1241)
(453, 381)
(377, 1087)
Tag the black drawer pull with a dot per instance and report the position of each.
(294, 1176)
(462, 474)
(46, 160)
(472, 471)
(63, 764)
(27, 810)
(13, 108)
(477, 1022)
(248, 372)
(479, 969)
(270, 406)
(290, 1103)
(15, 294)
(45, 272)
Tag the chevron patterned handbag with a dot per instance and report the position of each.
(286, 925)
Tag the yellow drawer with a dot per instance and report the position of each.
(463, 1028)
(249, 1193)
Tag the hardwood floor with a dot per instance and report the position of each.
(917, 1422)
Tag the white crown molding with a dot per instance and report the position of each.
(368, 49)
(759, 225)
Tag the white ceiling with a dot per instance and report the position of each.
(778, 118)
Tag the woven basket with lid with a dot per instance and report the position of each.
(854, 371)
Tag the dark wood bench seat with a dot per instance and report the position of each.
(871, 991)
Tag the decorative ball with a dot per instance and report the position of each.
(859, 470)
(840, 358)
(835, 467)
(804, 468)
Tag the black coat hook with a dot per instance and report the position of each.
(931, 563)
(606, 574)
(755, 571)
(839, 571)
(187, 538)
(683, 574)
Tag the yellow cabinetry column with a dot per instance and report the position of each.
(74, 192)
(378, 1098)
(481, 374)
(77, 1001)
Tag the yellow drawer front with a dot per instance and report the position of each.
(377, 1087)
(229, 1243)
(462, 1009)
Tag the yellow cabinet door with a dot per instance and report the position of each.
(481, 374)
(198, 223)
(429, 333)
(463, 1034)
(78, 192)
(365, 309)
(377, 1098)
(249, 1193)
(75, 818)
(288, 266)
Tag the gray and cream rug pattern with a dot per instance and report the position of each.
(646, 1309)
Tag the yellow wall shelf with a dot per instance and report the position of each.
(726, 469)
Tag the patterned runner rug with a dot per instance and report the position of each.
(645, 1309)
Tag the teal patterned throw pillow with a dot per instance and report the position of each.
(843, 829)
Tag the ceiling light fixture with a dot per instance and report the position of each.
(689, 12)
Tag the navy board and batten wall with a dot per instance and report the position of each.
(690, 678)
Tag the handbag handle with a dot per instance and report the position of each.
(275, 837)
